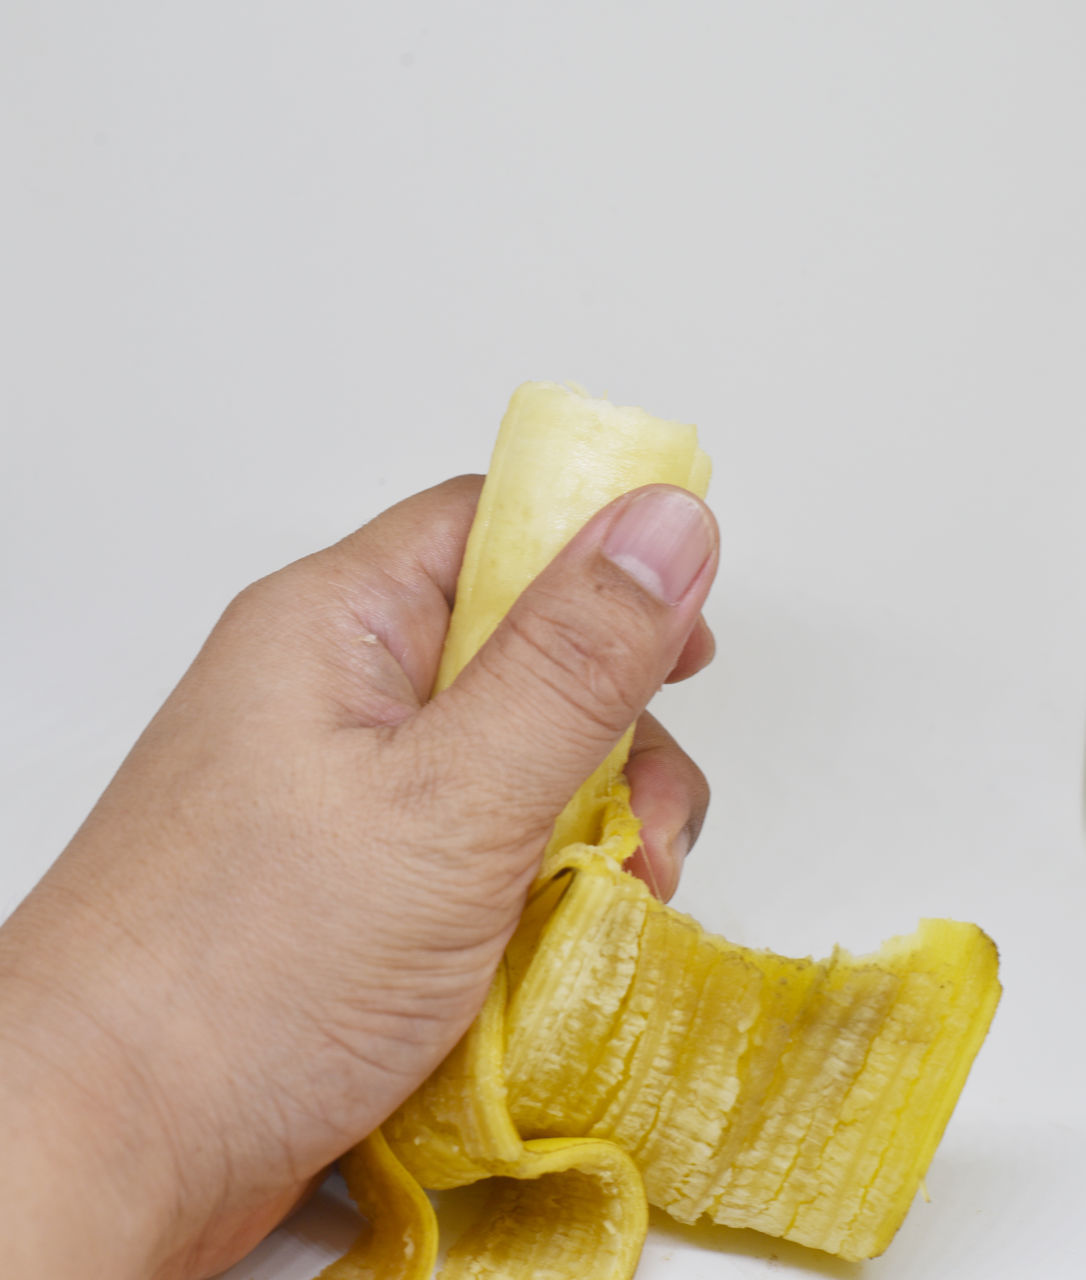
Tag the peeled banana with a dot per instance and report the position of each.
(624, 1056)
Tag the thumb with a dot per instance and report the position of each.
(581, 652)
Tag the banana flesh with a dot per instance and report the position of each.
(624, 1056)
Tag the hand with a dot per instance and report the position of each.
(288, 905)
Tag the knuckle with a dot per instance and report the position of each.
(700, 795)
(588, 663)
(255, 601)
(249, 600)
(693, 780)
(702, 790)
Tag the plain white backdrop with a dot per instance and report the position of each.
(266, 268)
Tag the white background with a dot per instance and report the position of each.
(265, 268)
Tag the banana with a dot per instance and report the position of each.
(625, 1056)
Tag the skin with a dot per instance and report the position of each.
(289, 903)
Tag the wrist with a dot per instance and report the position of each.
(69, 1214)
(82, 1173)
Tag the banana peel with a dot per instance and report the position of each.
(625, 1056)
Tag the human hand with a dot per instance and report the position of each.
(288, 905)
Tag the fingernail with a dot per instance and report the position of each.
(661, 540)
(680, 847)
(639, 864)
(665, 882)
(650, 874)
(671, 867)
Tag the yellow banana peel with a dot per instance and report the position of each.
(624, 1056)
